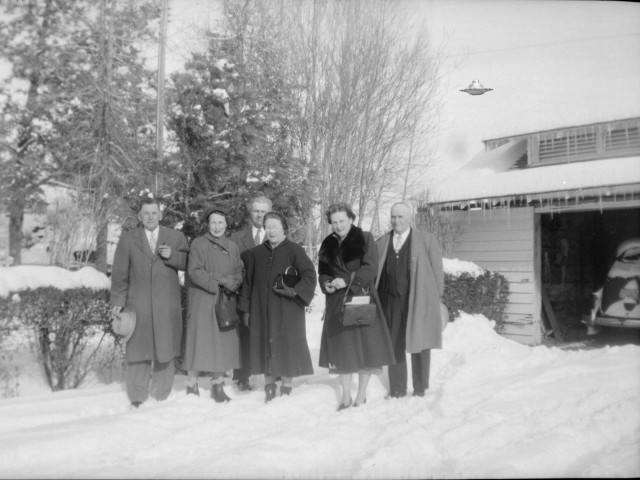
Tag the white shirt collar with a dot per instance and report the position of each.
(254, 229)
(402, 236)
(156, 231)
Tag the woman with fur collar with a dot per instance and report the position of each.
(362, 349)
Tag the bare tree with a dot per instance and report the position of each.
(366, 94)
(432, 218)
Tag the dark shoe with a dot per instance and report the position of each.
(284, 390)
(270, 392)
(344, 406)
(217, 393)
(418, 393)
(193, 390)
(244, 386)
(395, 394)
(136, 404)
(358, 404)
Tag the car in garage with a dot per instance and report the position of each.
(617, 303)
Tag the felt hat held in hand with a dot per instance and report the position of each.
(124, 323)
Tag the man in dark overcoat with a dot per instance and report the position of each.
(410, 285)
(145, 279)
(246, 239)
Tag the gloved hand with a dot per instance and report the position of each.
(285, 291)
(227, 282)
(245, 319)
(236, 285)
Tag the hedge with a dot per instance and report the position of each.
(486, 294)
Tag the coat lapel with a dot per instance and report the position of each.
(143, 244)
(220, 242)
(248, 238)
(413, 260)
(382, 254)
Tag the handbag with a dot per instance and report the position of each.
(287, 279)
(226, 311)
(359, 311)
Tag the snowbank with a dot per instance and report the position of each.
(495, 409)
(24, 277)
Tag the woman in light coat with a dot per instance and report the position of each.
(214, 263)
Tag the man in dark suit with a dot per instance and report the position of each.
(246, 239)
(410, 285)
(145, 279)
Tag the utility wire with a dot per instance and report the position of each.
(544, 44)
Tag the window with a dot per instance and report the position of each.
(591, 142)
(622, 139)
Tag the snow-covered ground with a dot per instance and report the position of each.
(495, 409)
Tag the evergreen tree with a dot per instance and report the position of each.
(77, 105)
(232, 126)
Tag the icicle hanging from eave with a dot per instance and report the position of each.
(600, 201)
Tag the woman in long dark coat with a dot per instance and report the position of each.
(276, 317)
(214, 263)
(361, 349)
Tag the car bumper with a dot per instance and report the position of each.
(617, 322)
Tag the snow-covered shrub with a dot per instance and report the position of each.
(487, 294)
(63, 324)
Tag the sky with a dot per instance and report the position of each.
(495, 409)
(550, 64)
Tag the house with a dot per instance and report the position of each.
(547, 209)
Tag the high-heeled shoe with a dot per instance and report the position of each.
(217, 393)
(344, 406)
(358, 404)
(270, 392)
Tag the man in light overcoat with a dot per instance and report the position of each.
(246, 239)
(145, 279)
(410, 284)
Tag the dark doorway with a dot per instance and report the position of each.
(577, 250)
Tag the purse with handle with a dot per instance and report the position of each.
(226, 311)
(359, 311)
(287, 279)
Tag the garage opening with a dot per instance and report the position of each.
(577, 251)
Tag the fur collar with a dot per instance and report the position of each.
(352, 247)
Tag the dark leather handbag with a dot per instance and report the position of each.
(359, 311)
(226, 310)
(287, 279)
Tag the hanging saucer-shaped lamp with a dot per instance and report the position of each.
(476, 88)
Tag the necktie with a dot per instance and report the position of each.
(256, 239)
(398, 243)
(152, 242)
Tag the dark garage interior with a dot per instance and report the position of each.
(577, 251)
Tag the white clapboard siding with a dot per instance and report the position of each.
(502, 240)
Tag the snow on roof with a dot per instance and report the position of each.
(488, 175)
(24, 277)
